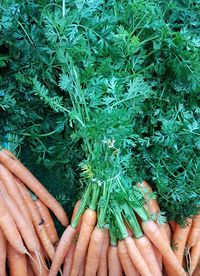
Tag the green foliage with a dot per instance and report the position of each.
(113, 82)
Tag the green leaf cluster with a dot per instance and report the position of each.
(114, 84)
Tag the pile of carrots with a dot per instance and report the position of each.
(133, 243)
(28, 237)
(87, 249)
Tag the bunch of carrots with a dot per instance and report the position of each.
(139, 247)
(113, 230)
(28, 237)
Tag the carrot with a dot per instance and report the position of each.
(127, 264)
(17, 262)
(88, 223)
(146, 249)
(38, 270)
(173, 225)
(179, 240)
(30, 270)
(25, 230)
(152, 204)
(153, 233)
(194, 231)
(76, 206)
(195, 256)
(94, 251)
(48, 221)
(9, 182)
(114, 263)
(17, 168)
(158, 257)
(3, 254)
(69, 259)
(137, 258)
(103, 263)
(62, 249)
(73, 215)
(153, 207)
(9, 228)
(197, 270)
(37, 221)
(82, 269)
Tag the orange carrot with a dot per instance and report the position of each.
(94, 251)
(2, 254)
(153, 207)
(87, 226)
(17, 262)
(194, 231)
(114, 263)
(25, 230)
(48, 221)
(82, 269)
(103, 263)
(158, 257)
(9, 228)
(12, 189)
(127, 264)
(137, 258)
(173, 225)
(30, 270)
(146, 249)
(17, 168)
(195, 256)
(197, 270)
(39, 270)
(69, 259)
(153, 233)
(152, 204)
(179, 240)
(37, 221)
(62, 249)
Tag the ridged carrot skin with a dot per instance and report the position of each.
(17, 262)
(153, 233)
(38, 222)
(48, 221)
(94, 251)
(194, 231)
(62, 250)
(103, 263)
(9, 228)
(18, 169)
(127, 264)
(114, 263)
(87, 226)
(2, 254)
(69, 259)
(179, 240)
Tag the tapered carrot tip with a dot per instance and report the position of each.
(152, 231)
(62, 250)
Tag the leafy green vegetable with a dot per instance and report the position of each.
(112, 83)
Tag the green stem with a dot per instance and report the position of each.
(119, 220)
(95, 195)
(82, 206)
(103, 210)
(113, 238)
(135, 203)
(131, 219)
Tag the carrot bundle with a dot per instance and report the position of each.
(136, 244)
(131, 243)
(27, 232)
